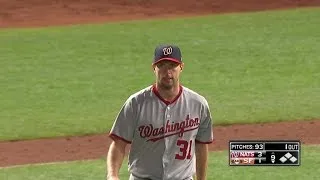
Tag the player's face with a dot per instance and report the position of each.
(167, 73)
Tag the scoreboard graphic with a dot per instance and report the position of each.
(264, 153)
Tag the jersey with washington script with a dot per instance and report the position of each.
(163, 134)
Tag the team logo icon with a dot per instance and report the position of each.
(236, 161)
(167, 51)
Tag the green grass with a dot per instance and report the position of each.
(218, 169)
(253, 67)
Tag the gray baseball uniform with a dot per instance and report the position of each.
(163, 134)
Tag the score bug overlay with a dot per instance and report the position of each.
(264, 153)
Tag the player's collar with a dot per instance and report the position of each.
(156, 92)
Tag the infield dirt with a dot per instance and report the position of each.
(40, 13)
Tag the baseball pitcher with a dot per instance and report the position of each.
(169, 127)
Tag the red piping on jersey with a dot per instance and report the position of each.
(209, 142)
(114, 136)
(156, 92)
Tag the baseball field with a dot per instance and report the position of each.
(66, 68)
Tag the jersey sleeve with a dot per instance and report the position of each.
(205, 132)
(124, 124)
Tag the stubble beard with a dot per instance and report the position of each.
(168, 86)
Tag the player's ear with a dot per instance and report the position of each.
(181, 66)
(153, 67)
